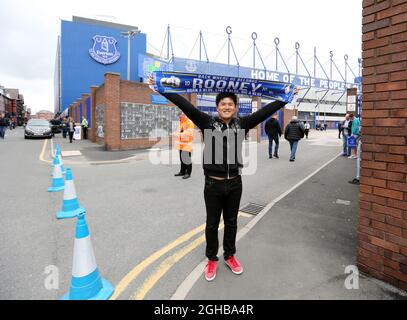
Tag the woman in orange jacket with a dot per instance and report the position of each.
(184, 138)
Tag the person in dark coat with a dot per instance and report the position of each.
(71, 128)
(273, 131)
(293, 133)
(65, 128)
(3, 125)
(307, 126)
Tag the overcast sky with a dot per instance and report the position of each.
(29, 30)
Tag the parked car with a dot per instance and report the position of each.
(56, 126)
(38, 128)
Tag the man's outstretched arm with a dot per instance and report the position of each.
(199, 118)
(259, 116)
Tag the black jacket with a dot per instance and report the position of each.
(273, 128)
(294, 130)
(219, 136)
(349, 129)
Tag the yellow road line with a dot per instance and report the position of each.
(128, 278)
(123, 284)
(166, 265)
(41, 157)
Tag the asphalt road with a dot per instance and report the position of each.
(134, 208)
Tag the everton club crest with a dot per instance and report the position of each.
(104, 50)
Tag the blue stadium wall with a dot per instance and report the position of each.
(79, 70)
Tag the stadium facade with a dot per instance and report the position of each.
(87, 49)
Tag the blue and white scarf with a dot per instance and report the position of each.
(176, 82)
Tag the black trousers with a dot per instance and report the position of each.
(221, 196)
(85, 132)
(186, 162)
(70, 136)
(276, 139)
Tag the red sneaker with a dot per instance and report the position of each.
(210, 270)
(234, 265)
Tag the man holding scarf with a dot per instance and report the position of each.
(222, 164)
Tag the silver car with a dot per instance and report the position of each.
(38, 128)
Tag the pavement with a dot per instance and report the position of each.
(299, 249)
(146, 225)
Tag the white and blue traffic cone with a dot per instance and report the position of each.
(57, 162)
(55, 155)
(70, 205)
(86, 282)
(59, 156)
(54, 162)
(57, 180)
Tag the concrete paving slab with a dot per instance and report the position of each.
(301, 247)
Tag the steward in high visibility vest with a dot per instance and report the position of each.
(84, 122)
(84, 127)
(184, 134)
(184, 139)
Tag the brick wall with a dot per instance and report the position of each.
(382, 231)
(75, 111)
(92, 131)
(78, 110)
(110, 94)
(83, 100)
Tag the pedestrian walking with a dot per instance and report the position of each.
(3, 126)
(346, 127)
(65, 127)
(307, 126)
(293, 133)
(273, 131)
(71, 129)
(223, 135)
(339, 126)
(185, 136)
(84, 127)
(355, 133)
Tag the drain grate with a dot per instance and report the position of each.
(252, 208)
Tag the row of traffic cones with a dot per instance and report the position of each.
(86, 282)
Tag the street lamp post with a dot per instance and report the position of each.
(129, 35)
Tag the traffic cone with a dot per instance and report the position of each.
(70, 205)
(57, 162)
(57, 180)
(59, 156)
(86, 282)
(55, 154)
